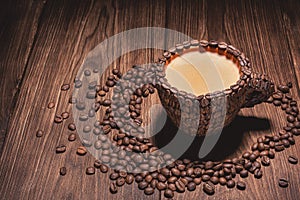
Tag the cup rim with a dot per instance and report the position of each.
(221, 48)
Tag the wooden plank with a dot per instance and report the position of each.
(19, 21)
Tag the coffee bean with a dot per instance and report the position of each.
(197, 181)
(87, 129)
(120, 181)
(230, 184)
(90, 170)
(161, 186)
(80, 105)
(142, 185)
(72, 127)
(214, 180)
(39, 133)
(175, 172)
(81, 150)
(244, 173)
(279, 148)
(149, 191)
(205, 177)
(246, 155)
(113, 188)
(87, 72)
(58, 119)
(209, 188)
(180, 186)
(257, 173)
(290, 118)
(283, 183)
(209, 165)
(222, 181)
(106, 129)
(61, 148)
(129, 179)
(72, 137)
(265, 160)
(293, 160)
(271, 154)
(277, 102)
(191, 186)
(169, 194)
(65, 87)
(51, 105)
(241, 185)
(65, 115)
(78, 84)
(63, 171)
(283, 88)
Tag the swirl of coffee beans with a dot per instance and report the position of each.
(176, 175)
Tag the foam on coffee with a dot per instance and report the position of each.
(202, 72)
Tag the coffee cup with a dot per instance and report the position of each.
(203, 85)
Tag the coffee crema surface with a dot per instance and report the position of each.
(202, 72)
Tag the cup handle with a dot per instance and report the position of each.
(259, 90)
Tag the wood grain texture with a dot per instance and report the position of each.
(18, 25)
(46, 42)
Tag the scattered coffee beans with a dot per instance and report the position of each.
(293, 160)
(63, 171)
(283, 183)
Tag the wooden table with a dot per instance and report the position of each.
(43, 44)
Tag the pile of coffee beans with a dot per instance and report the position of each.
(156, 170)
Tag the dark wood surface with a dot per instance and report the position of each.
(43, 44)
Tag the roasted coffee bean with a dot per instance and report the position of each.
(271, 154)
(161, 186)
(240, 185)
(172, 179)
(149, 191)
(113, 188)
(180, 186)
(257, 173)
(63, 171)
(106, 102)
(265, 161)
(138, 178)
(172, 186)
(165, 171)
(87, 129)
(252, 157)
(87, 72)
(197, 181)
(65, 87)
(283, 88)
(78, 84)
(58, 119)
(205, 177)
(279, 148)
(81, 150)
(214, 180)
(191, 186)
(295, 131)
(129, 179)
(209, 188)
(106, 129)
(222, 181)
(230, 184)
(169, 194)
(246, 155)
(244, 173)
(277, 103)
(51, 105)
(80, 105)
(72, 137)
(39, 133)
(120, 181)
(90, 170)
(290, 118)
(72, 127)
(175, 172)
(293, 160)
(209, 165)
(61, 148)
(283, 183)
(142, 185)
(65, 115)
(161, 178)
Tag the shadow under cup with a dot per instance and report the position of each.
(209, 113)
